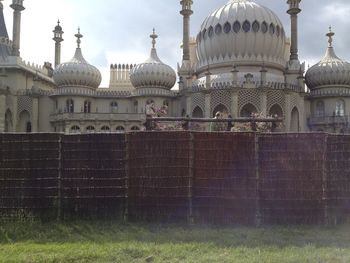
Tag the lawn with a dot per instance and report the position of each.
(116, 242)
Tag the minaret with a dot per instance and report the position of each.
(186, 12)
(58, 39)
(17, 6)
(293, 11)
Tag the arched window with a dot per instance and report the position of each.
(105, 129)
(8, 121)
(246, 26)
(120, 129)
(236, 27)
(211, 32)
(70, 106)
(90, 129)
(256, 26)
(166, 103)
(227, 27)
(264, 27)
(136, 106)
(197, 112)
(294, 120)
(248, 110)
(272, 29)
(218, 29)
(114, 107)
(320, 109)
(24, 124)
(135, 128)
(276, 111)
(75, 129)
(340, 108)
(87, 106)
(221, 108)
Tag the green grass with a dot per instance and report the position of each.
(116, 242)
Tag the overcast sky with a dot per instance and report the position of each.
(117, 31)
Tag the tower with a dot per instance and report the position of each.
(186, 12)
(17, 6)
(58, 39)
(293, 11)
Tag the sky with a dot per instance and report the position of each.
(117, 31)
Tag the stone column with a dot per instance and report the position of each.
(35, 115)
(234, 105)
(293, 11)
(186, 12)
(263, 102)
(189, 105)
(17, 6)
(2, 112)
(287, 110)
(207, 101)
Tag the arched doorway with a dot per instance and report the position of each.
(294, 120)
(247, 110)
(276, 110)
(222, 108)
(8, 121)
(24, 124)
(197, 112)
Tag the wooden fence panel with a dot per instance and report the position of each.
(93, 176)
(159, 178)
(29, 176)
(225, 178)
(291, 178)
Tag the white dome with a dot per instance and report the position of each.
(241, 32)
(77, 71)
(331, 70)
(153, 73)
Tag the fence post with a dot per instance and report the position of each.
(190, 179)
(257, 178)
(325, 192)
(126, 198)
(59, 179)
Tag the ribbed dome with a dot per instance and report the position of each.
(331, 70)
(241, 32)
(153, 73)
(77, 71)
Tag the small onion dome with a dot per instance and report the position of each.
(331, 70)
(241, 32)
(77, 71)
(153, 73)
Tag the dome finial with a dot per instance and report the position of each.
(154, 36)
(330, 35)
(78, 36)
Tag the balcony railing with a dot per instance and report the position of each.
(328, 120)
(97, 117)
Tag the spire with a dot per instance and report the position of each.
(330, 35)
(154, 56)
(78, 36)
(58, 38)
(17, 6)
(154, 36)
(3, 30)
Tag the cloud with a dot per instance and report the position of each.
(117, 31)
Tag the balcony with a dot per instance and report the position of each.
(328, 120)
(58, 117)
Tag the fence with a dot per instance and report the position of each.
(220, 178)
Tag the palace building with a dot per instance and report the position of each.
(240, 62)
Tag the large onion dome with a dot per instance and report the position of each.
(77, 71)
(153, 73)
(241, 32)
(331, 70)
